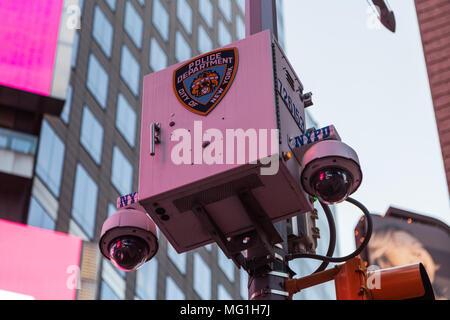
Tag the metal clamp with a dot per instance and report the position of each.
(155, 136)
(267, 291)
(279, 274)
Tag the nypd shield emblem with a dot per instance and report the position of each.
(201, 84)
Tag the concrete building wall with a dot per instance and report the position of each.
(434, 23)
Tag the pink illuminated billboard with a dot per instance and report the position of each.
(28, 41)
(38, 264)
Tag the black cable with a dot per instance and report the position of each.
(332, 243)
(369, 226)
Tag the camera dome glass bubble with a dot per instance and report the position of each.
(331, 185)
(128, 253)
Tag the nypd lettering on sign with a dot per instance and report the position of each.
(127, 200)
(313, 136)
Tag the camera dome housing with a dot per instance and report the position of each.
(331, 171)
(128, 239)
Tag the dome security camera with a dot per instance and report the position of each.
(128, 239)
(331, 171)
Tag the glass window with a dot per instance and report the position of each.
(3, 141)
(102, 31)
(240, 28)
(243, 283)
(226, 265)
(111, 4)
(38, 217)
(50, 159)
(184, 14)
(280, 19)
(84, 204)
(91, 136)
(141, 2)
(107, 293)
(222, 293)
(161, 19)
(173, 292)
(182, 48)
(241, 5)
(133, 24)
(23, 144)
(226, 8)
(224, 34)
(129, 70)
(206, 10)
(202, 278)
(122, 172)
(76, 41)
(147, 280)
(179, 260)
(18, 142)
(126, 120)
(111, 209)
(97, 81)
(65, 114)
(114, 277)
(112, 267)
(158, 58)
(205, 43)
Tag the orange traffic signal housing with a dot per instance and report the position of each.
(351, 281)
(354, 282)
(402, 283)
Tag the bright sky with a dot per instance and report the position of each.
(373, 86)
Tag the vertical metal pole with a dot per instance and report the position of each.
(261, 15)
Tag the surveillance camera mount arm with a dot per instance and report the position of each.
(264, 235)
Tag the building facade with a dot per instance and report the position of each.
(89, 156)
(434, 17)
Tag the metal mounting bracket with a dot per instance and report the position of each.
(264, 235)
